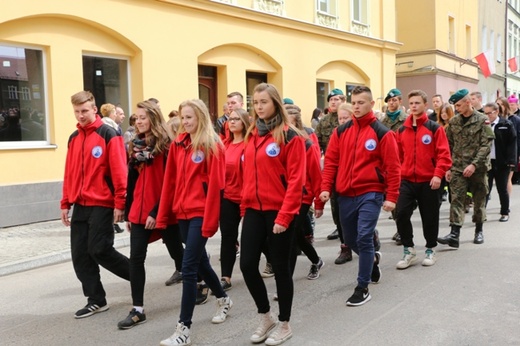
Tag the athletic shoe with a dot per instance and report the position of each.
(275, 296)
(175, 278)
(180, 337)
(409, 255)
(268, 271)
(202, 294)
(280, 334)
(89, 310)
(133, 318)
(345, 255)
(226, 286)
(430, 258)
(377, 242)
(360, 297)
(333, 235)
(224, 304)
(314, 272)
(376, 271)
(267, 323)
(117, 229)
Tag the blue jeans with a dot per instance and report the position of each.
(195, 260)
(358, 216)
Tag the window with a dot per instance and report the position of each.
(252, 80)
(468, 42)
(499, 48)
(107, 79)
(322, 90)
(492, 43)
(451, 35)
(22, 97)
(360, 11)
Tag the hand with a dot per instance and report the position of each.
(129, 226)
(318, 213)
(468, 171)
(435, 183)
(119, 215)
(324, 196)
(388, 206)
(448, 176)
(150, 223)
(277, 229)
(65, 217)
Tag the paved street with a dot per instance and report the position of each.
(470, 297)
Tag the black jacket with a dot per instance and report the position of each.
(505, 143)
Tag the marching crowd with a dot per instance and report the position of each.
(185, 179)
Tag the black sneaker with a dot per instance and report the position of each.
(202, 294)
(174, 279)
(333, 235)
(226, 286)
(90, 309)
(360, 297)
(117, 229)
(133, 318)
(314, 272)
(376, 271)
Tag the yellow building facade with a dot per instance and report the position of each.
(172, 50)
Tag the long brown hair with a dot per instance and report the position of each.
(449, 112)
(160, 135)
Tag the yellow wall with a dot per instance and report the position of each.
(164, 41)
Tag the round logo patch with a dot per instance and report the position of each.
(272, 150)
(97, 151)
(426, 139)
(197, 156)
(371, 144)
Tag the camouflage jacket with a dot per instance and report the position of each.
(324, 129)
(470, 142)
(395, 124)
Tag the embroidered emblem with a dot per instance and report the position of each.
(97, 151)
(370, 144)
(197, 156)
(426, 139)
(272, 150)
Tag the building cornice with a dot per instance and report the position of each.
(437, 52)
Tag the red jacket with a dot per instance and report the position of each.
(424, 152)
(193, 184)
(234, 157)
(274, 175)
(363, 158)
(312, 188)
(95, 169)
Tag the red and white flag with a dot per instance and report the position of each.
(513, 64)
(486, 63)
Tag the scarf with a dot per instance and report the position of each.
(264, 127)
(142, 153)
(393, 115)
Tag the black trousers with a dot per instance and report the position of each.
(229, 224)
(91, 245)
(257, 230)
(300, 240)
(420, 194)
(139, 237)
(334, 206)
(499, 173)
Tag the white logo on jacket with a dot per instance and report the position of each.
(272, 150)
(197, 156)
(97, 151)
(371, 145)
(426, 139)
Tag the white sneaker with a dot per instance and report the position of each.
(180, 337)
(430, 258)
(268, 271)
(267, 323)
(224, 304)
(408, 258)
(281, 333)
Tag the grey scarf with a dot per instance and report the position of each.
(264, 127)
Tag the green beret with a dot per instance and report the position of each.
(288, 101)
(334, 92)
(392, 93)
(458, 96)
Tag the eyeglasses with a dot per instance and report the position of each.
(233, 119)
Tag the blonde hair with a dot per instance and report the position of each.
(278, 132)
(174, 123)
(107, 109)
(204, 137)
(346, 107)
(161, 136)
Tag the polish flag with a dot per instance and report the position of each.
(513, 64)
(486, 63)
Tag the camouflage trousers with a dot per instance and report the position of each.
(459, 186)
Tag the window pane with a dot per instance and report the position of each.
(322, 90)
(22, 99)
(252, 80)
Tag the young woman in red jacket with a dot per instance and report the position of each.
(193, 183)
(147, 152)
(238, 123)
(274, 176)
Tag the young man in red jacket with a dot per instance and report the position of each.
(425, 157)
(362, 165)
(95, 183)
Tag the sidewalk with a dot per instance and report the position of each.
(38, 244)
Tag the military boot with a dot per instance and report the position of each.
(451, 239)
(479, 236)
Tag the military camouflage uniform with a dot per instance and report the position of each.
(470, 143)
(325, 128)
(395, 124)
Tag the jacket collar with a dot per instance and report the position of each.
(365, 120)
(420, 121)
